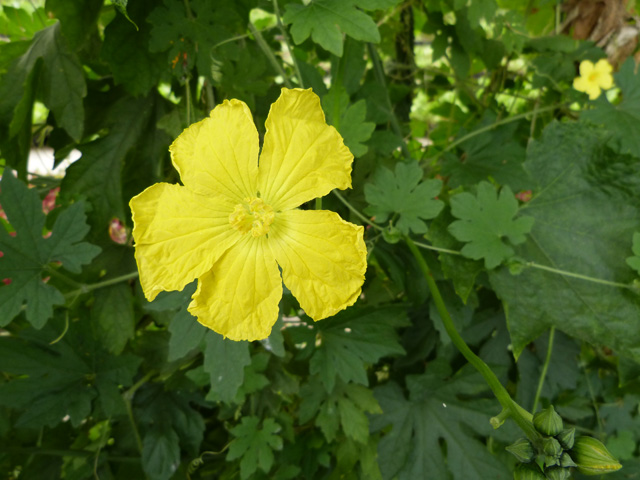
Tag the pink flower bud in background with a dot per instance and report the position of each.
(49, 202)
(117, 231)
(524, 196)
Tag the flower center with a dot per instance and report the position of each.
(593, 77)
(253, 216)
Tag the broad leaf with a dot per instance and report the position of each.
(586, 213)
(349, 120)
(113, 314)
(224, 361)
(28, 253)
(485, 220)
(405, 194)
(430, 433)
(186, 334)
(634, 261)
(326, 20)
(351, 340)
(160, 452)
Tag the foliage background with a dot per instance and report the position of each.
(435, 98)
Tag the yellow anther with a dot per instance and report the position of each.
(253, 216)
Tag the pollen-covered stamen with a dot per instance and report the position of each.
(253, 216)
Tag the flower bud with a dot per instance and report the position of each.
(567, 461)
(558, 473)
(522, 450)
(551, 447)
(566, 438)
(526, 472)
(592, 457)
(547, 421)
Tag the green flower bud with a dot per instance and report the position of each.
(547, 421)
(526, 472)
(558, 473)
(391, 234)
(550, 460)
(522, 450)
(567, 461)
(566, 438)
(551, 447)
(592, 457)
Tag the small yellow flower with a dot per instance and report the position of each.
(235, 219)
(594, 78)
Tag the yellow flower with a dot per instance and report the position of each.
(235, 219)
(594, 78)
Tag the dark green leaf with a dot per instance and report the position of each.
(585, 215)
(254, 445)
(160, 452)
(224, 361)
(634, 262)
(113, 314)
(186, 334)
(28, 253)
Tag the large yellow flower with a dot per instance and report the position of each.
(594, 78)
(235, 219)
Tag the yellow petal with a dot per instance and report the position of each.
(603, 66)
(239, 296)
(586, 67)
(178, 236)
(323, 259)
(593, 90)
(581, 84)
(219, 155)
(303, 157)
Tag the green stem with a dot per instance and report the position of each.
(287, 42)
(264, 46)
(545, 367)
(379, 71)
(187, 88)
(479, 131)
(66, 453)
(437, 249)
(509, 406)
(319, 203)
(105, 283)
(577, 275)
(187, 7)
(128, 397)
(60, 276)
(356, 212)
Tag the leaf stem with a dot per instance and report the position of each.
(545, 367)
(510, 407)
(287, 42)
(128, 397)
(266, 49)
(356, 212)
(105, 283)
(577, 275)
(479, 131)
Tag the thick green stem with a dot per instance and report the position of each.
(545, 367)
(510, 407)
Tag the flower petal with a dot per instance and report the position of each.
(603, 66)
(303, 157)
(239, 296)
(581, 84)
(586, 67)
(178, 235)
(323, 259)
(219, 155)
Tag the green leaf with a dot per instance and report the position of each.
(634, 262)
(344, 407)
(126, 50)
(326, 20)
(224, 361)
(403, 193)
(160, 452)
(77, 19)
(622, 121)
(352, 339)
(186, 334)
(485, 221)
(113, 314)
(432, 432)
(254, 445)
(585, 210)
(26, 255)
(349, 120)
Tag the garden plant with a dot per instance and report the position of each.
(320, 239)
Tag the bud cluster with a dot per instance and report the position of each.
(558, 450)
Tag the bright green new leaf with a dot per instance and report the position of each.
(326, 20)
(585, 215)
(403, 193)
(254, 445)
(26, 255)
(486, 220)
(431, 432)
(224, 361)
(634, 262)
(350, 340)
(621, 121)
(344, 407)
